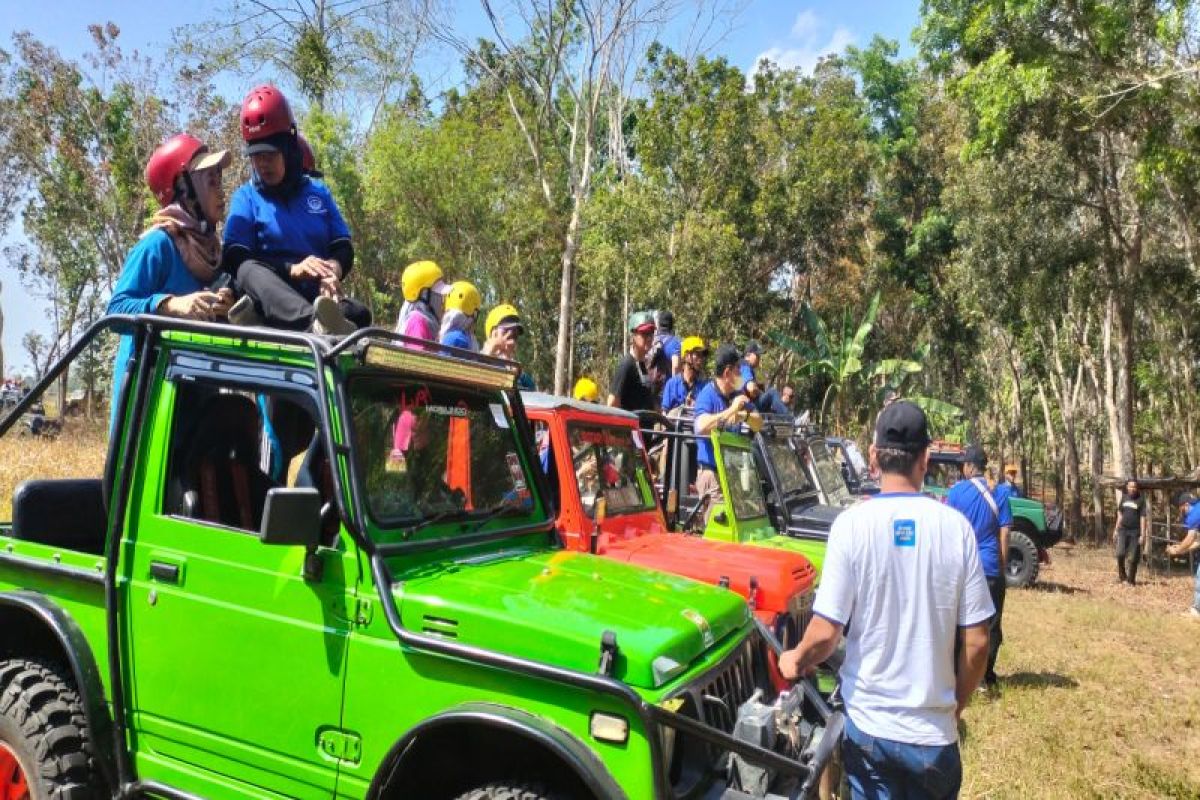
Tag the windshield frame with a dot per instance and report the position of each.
(779, 451)
(837, 493)
(649, 497)
(388, 538)
(743, 450)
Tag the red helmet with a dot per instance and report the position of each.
(170, 160)
(265, 112)
(308, 161)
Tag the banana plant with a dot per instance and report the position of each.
(946, 420)
(835, 357)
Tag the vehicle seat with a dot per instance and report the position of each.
(61, 513)
(222, 480)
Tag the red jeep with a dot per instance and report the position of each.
(593, 453)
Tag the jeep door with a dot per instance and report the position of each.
(236, 659)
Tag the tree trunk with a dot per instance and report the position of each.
(1097, 469)
(566, 295)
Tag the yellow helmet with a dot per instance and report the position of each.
(419, 276)
(587, 390)
(692, 343)
(465, 297)
(504, 312)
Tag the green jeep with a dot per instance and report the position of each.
(743, 515)
(275, 586)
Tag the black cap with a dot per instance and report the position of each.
(975, 455)
(752, 348)
(727, 356)
(666, 320)
(902, 426)
(275, 143)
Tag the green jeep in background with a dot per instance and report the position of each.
(277, 586)
(1035, 527)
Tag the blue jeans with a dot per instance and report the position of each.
(883, 769)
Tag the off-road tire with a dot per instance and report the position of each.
(42, 721)
(510, 790)
(1022, 569)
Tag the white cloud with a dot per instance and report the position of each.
(807, 24)
(807, 42)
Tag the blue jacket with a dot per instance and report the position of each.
(153, 270)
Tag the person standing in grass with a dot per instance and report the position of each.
(1189, 508)
(902, 579)
(991, 519)
(1129, 534)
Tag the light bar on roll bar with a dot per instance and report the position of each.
(434, 365)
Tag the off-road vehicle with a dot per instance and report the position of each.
(606, 504)
(742, 515)
(795, 469)
(276, 586)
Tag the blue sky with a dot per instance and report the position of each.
(794, 34)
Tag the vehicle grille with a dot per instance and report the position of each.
(722, 691)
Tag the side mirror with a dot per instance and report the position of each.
(292, 517)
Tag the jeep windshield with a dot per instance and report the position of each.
(792, 477)
(745, 486)
(829, 474)
(608, 463)
(428, 452)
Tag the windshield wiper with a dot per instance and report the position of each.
(446, 513)
(498, 510)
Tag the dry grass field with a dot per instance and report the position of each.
(1101, 682)
(1101, 689)
(78, 452)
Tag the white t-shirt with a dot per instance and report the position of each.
(902, 573)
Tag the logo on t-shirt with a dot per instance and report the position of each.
(315, 204)
(904, 533)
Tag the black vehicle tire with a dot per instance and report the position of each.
(510, 790)
(1023, 562)
(42, 723)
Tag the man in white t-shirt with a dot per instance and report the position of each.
(902, 576)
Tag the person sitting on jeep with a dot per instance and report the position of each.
(681, 389)
(286, 242)
(173, 268)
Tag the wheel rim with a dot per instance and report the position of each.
(13, 785)
(1016, 563)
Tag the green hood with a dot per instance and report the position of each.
(554, 607)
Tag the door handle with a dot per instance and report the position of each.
(165, 572)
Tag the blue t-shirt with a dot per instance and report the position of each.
(672, 345)
(153, 270)
(969, 501)
(1191, 520)
(1003, 493)
(281, 231)
(709, 401)
(676, 391)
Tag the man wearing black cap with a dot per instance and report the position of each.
(902, 575)
(718, 405)
(991, 521)
(630, 388)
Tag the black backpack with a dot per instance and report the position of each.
(658, 364)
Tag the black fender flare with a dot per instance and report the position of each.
(510, 721)
(78, 653)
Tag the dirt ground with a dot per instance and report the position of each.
(1100, 689)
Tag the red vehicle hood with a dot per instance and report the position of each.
(779, 574)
